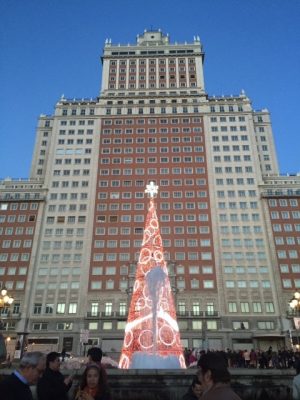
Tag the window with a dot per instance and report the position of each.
(72, 308)
(60, 308)
(37, 308)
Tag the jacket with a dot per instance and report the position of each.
(220, 391)
(12, 388)
(51, 386)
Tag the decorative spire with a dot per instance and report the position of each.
(152, 337)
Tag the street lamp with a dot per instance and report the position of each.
(295, 302)
(5, 301)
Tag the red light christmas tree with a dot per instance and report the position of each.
(152, 338)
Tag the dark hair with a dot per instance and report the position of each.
(95, 353)
(195, 382)
(51, 357)
(102, 387)
(216, 363)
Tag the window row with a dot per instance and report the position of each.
(18, 230)
(65, 207)
(152, 160)
(152, 121)
(265, 284)
(237, 181)
(224, 128)
(245, 147)
(161, 139)
(229, 108)
(6, 244)
(64, 232)
(285, 214)
(17, 218)
(178, 256)
(60, 270)
(287, 254)
(163, 218)
(165, 230)
(255, 307)
(14, 257)
(153, 110)
(12, 270)
(286, 269)
(237, 230)
(161, 171)
(245, 157)
(251, 269)
(80, 122)
(136, 243)
(67, 196)
(57, 184)
(62, 151)
(143, 150)
(240, 205)
(231, 118)
(72, 141)
(14, 285)
(180, 284)
(242, 242)
(71, 219)
(259, 255)
(283, 202)
(56, 258)
(234, 193)
(18, 206)
(286, 227)
(239, 217)
(162, 195)
(175, 182)
(59, 244)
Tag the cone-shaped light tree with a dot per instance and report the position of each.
(152, 338)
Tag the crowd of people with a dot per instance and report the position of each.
(270, 358)
(211, 381)
(36, 368)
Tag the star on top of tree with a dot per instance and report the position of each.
(151, 190)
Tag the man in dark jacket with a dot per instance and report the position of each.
(194, 392)
(52, 384)
(215, 378)
(16, 386)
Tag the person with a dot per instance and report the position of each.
(94, 355)
(296, 381)
(93, 385)
(16, 386)
(53, 385)
(195, 390)
(215, 377)
(63, 354)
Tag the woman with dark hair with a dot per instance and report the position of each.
(93, 385)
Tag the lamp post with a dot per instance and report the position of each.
(5, 301)
(295, 302)
(295, 306)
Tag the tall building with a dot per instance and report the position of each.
(230, 223)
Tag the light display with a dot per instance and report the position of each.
(152, 338)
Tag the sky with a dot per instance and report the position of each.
(53, 47)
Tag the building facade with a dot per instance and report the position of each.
(229, 221)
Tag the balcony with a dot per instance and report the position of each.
(202, 314)
(92, 314)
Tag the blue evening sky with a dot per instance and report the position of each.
(53, 47)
